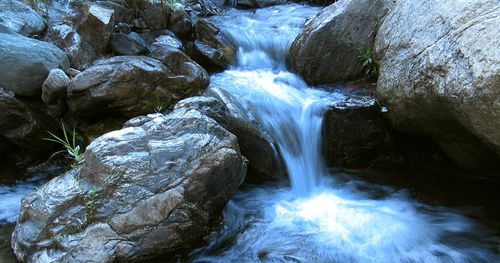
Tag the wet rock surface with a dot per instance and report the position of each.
(142, 191)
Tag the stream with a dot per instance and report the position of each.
(320, 216)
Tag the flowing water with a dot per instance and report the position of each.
(319, 218)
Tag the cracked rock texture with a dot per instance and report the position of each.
(146, 189)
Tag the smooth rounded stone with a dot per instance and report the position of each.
(55, 86)
(264, 164)
(440, 77)
(81, 53)
(356, 134)
(20, 18)
(132, 85)
(142, 191)
(26, 62)
(213, 45)
(331, 44)
(97, 25)
(23, 125)
(128, 44)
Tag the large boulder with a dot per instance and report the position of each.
(440, 77)
(133, 85)
(97, 25)
(143, 191)
(81, 53)
(20, 18)
(330, 46)
(26, 62)
(23, 125)
(263, 161)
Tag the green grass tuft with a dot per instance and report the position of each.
(70, 147)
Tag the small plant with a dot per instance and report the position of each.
(92, 200)
(70, 147)
(112, 177)
(370, 68)
(159, 108)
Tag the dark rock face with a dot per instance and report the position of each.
(23, 125)
(142, 191)
(133, 85)
(81, 53)
(213, 45)
(20, 18)
(26, 62)
(258, 3)
(264, 164)
(128, 44)
(440, 77)
(331, 44)
(182, 24)
(97, 25)
(356, 135)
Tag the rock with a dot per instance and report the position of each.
(22, 125)
(142, 191)
(81, 53)
(264, 164)
(26, 62)
(97, 25)
(188, 73)
(440, 77)
(182, 24)
(123, 28)
(155, 16)
(209, 8)
(213, 45)
(330, 46)
(168, 41)
(131, 44)
(122, 14)
(129, 86)
(55, 86)
(356, 135)
(20, 18)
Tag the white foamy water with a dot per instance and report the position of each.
(10, 200)
(317, 219)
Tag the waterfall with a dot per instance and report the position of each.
(290, 112)
(321, 218)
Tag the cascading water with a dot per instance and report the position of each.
(318, 219)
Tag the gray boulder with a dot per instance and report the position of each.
(440, 77)
(263, 161)
(97, 25)
(128, 44)
(55, 86)
(169, 41)
(330, 46)
(20, 18)
(142, 191)
(26, 62)
(81, 53)
(133, 85)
